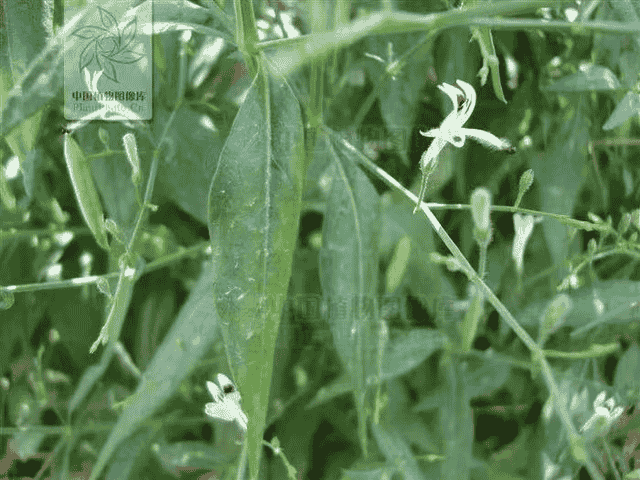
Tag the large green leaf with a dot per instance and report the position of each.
(349, 270)
(254, 208)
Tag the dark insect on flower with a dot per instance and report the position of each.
(226, 402)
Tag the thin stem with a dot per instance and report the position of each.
(92, 279)
(295, 52)
(534, 348)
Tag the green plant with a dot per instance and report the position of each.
(261, 222)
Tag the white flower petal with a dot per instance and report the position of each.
(434, 132)
(599, 400)
(610, 404)
(452, 92)
(616, 413)
(487, 139)
(215, 392)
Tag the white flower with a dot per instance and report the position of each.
(604, 415)
(452, 130)
(226, 402)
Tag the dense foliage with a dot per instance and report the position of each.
(266, 223)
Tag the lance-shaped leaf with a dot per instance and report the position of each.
(188, 340)
(349, 272)
(254, 207)
(85, 190)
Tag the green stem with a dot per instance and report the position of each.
(293, 52)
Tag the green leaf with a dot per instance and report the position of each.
(399, 97)
(189, 339)
(591, 77)
(349, 270)
(112, 173)
(189, 166)
(456, 424)
(178, 456)
(559, 175)
(618, 297)
(405, 351)
(130, 453)
(367, 474)
(254, 209)
(181, 164)
(400, 413)
(77, 318)
(24, 33)
(396, 451)
(424, 278)
(485, 375)
(89, 377)
(22, 139)
(409, 349)
(85, 190)
(626, 108)
(626, 375)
